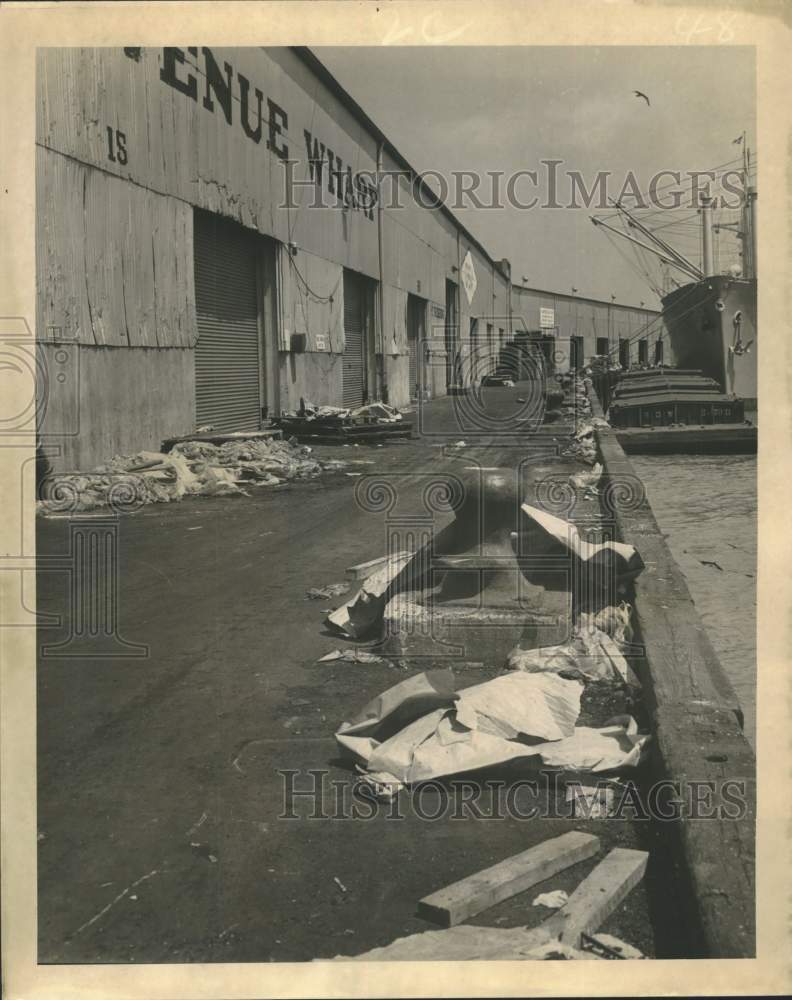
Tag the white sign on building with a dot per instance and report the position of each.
(469, 279)
(547, 318)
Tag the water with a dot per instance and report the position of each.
(706, 504)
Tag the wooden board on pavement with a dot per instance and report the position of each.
(478, 892)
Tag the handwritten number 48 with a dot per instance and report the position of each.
(116, 146)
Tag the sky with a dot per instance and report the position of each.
(510, 108)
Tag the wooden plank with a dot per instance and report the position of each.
(597, 896)
(478, 892)
(364, 570)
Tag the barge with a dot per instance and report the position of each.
(668, 410)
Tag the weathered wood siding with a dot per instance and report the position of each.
(116, 401)
(186, 147)
(114, 260)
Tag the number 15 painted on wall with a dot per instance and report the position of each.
(116, 146)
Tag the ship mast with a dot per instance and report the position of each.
(661, 249)
(745, 230)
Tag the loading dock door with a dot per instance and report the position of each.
(228, 382)
(576, 352)
(416, 321)
(354, 362)
(453, 373)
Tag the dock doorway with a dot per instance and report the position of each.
(358, 337)
(453, 374)
(416, 338)
(234, 303)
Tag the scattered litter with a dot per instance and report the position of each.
(616, 745)
(613, 620)
(353, 474)
(340, 424)
(622, 557)
(459, 444)
(352, 656)
(608, 946)
(590, 802)
(191, 468)
(359, 615)
(422, 728)
(709, 562)
(196, 825)
(590, 653)
(482, 725)
(382, 786)
(329, 590)
(340, 884)
(198, 528)
(552, 900)
(364, 570)
(587, 479)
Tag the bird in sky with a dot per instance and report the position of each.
(639, 93)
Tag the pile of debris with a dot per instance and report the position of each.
(333, 424)
(376, 412)
(442, 731)
(191, 468)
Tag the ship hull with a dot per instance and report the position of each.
(706, 321)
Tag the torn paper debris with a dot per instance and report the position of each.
(590, 654)
(590, 802)
(360, 615)
(609, 946)
(328, 590)
(552, 900)
(614, 620)
(627, 561)
(352, 656)
(618, 744)
(480, 726)
(587, 479)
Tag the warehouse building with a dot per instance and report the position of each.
(214, 243)
(575, 328)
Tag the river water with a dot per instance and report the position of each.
(706, 504)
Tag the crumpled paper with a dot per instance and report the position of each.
(590, 653)
(422, 729)
(627, 561)
(359, 615)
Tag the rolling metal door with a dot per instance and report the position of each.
(415, 320)
(453, 373)
(228, 351)
(354, 363)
